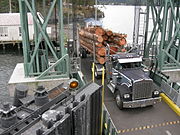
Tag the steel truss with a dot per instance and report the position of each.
(36, 59)
(163, 41)
(165, 35)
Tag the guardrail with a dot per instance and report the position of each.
(171, 92)
(171, 89)
(108, 126)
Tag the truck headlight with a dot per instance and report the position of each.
(126, 96)
(156, 92)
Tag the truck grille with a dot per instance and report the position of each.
(142, 89)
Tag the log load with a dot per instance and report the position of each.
(98, 38)
(91, 36)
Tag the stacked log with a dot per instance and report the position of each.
(99, 37)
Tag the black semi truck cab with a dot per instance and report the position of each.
(130, 84)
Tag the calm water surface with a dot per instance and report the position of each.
(8, 60)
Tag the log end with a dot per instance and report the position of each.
(101, 60)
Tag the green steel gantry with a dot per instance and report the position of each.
(164, 40)
(36, 58)
(165, 35)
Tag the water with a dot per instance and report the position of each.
(8, 61)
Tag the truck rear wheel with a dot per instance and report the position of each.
(83, 53)
(96, 74)
(118, 100)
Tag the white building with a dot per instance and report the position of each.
(10, 27)
(92, 22)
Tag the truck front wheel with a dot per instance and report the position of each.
(118, 99)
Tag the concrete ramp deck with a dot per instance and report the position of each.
(153, 120)
(18, 76)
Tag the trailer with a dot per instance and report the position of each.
(94, 40)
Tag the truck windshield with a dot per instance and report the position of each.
(127, 65)
(135, 64)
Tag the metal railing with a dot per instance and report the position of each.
(108, 125)
(171, 92)
(171, 89)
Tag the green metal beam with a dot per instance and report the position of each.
(25, 33)
(51, 46)
(178, 18)
(171, 57)
(153, 15)
(61, 27)
(146, 31)
(44, 26)
(167, 25)
(173, 38)
(36, 61)
(173, 13)
(35, 36)
(64, 58)
(155, 31)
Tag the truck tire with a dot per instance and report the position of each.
(118, 100)
(83, 53)
(96, 74)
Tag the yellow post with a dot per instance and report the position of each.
(93, 65)
(103, 81)
(171, 104)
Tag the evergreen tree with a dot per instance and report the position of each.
(5, 8)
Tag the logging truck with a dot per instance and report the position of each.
(127, 80)
(131, 85)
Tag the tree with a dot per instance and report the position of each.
(5, 6)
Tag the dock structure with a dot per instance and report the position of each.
(39, 69)
(11, 32)
(31, 82)
(10, 28)
(49, 63)
(49, 112)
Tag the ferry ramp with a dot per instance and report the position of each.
(154, 120)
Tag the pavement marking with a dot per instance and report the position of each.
(168, 132)
(148, 126)
(170, 123)
(152, 126)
